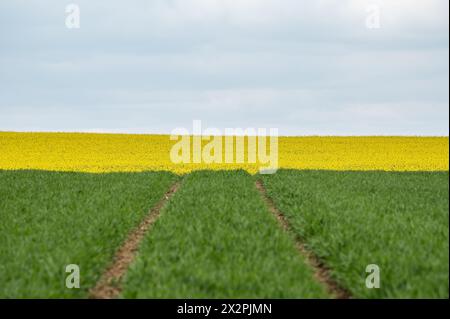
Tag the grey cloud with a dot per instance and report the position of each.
(307, 67)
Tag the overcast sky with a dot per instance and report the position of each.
(305, 67)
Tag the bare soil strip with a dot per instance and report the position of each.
(108, 287)
(321, 272)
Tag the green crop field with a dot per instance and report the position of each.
(398, 221)
(50, 220)
(216, 237)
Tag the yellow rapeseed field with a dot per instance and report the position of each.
(121, 152)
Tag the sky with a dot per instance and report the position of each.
(312, 67)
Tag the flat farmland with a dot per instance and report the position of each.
(217, 239)
(139, 226)
(50, 220)
(105, 153)
(398, 221)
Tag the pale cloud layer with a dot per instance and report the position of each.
(305, 67)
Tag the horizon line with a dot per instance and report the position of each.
(106, 132)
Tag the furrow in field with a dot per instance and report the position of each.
(109, 286)
(217, 239)
(321, 272)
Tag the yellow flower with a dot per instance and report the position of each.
(121, 152)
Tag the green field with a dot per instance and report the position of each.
(50, 220)
(398, 221)
(216, 238)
